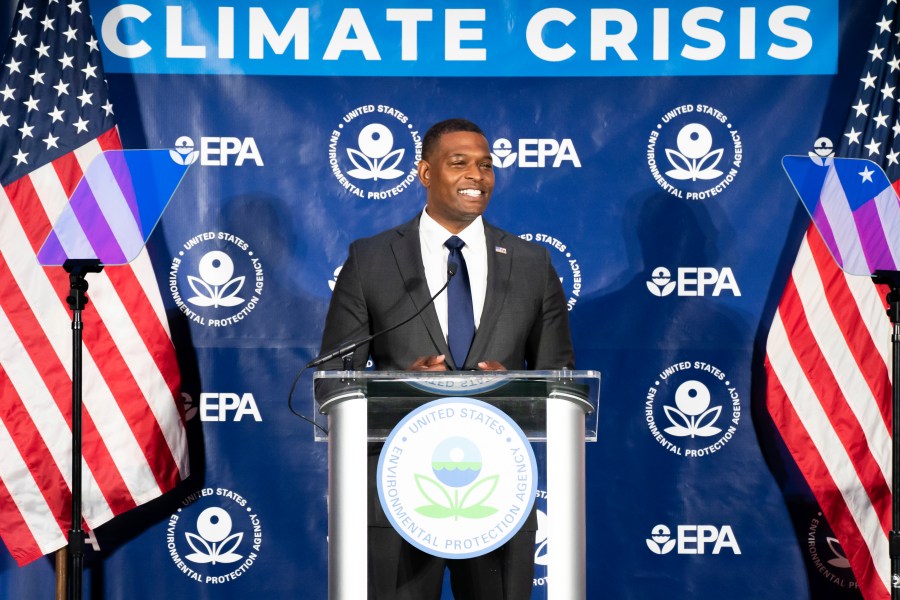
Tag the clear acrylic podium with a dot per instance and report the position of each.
(558, 408)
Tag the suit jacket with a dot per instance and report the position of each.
(524, 323)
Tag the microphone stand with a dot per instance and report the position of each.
(346, 351)
(892, 280)
(77, 299)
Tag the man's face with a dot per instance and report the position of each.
(459, 179)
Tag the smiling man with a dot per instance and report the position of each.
(504, 309)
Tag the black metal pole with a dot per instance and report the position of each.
(77, 299)
(895, 454)
(76, 534)
(894, 313)
(892, 279)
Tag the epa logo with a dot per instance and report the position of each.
(826, 554)
(694, 152)
(221, 407)
(333, 281)
(534, 153)
(374, 152)
(693, 539)
(693, 281)
(184, 152)
(564, 263)
(216, 151)
(215, 537)
(692, 409)
(216, 279)
(228, 407)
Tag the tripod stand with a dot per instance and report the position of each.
(77, 300)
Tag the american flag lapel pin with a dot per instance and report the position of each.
(500, 249)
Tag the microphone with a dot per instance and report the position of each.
(452, 268)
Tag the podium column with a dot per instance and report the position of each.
(347, 493)
(566, 538)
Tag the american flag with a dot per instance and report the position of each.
(55, 117)
(828, 350)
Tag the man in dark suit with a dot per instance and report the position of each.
(520, 322)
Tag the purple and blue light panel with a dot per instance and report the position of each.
(114, 208)
(854, 207)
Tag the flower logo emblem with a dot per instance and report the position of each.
(215, 286)
(840, 559)
(823, 152)
(502, 154)
(456, 464)
(333, 282)
(693, 160)
(375, 160)
(661, 283)
(184, 153)
(190, 407)
(660, 541)
(692, 418)
(215, 542)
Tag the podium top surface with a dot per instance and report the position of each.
(530, 374)
(460, 376)
(521, 394)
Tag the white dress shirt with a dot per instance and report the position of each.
(434, 258)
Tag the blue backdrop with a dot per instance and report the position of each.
(641, 145)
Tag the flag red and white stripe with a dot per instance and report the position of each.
(829, 394)
(134, 441)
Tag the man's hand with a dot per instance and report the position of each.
(490, 365)
(429, 363)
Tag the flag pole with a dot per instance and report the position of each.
(61, 573)
(77, 299)
(892, 280)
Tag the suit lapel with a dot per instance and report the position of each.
(499, 269)
(408, 254)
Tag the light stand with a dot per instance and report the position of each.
(77, 299)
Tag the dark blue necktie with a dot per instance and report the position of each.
(460, 316)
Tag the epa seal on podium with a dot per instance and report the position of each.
(457, 478)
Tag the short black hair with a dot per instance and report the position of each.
(434, 133)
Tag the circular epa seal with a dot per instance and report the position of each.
(541, 555)
(692, 409)
(215, 537)
(457, 478)
(694, 152)
(374, 152)
(564, 262)
(826, 554)
(455, 383)
(216, 279)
